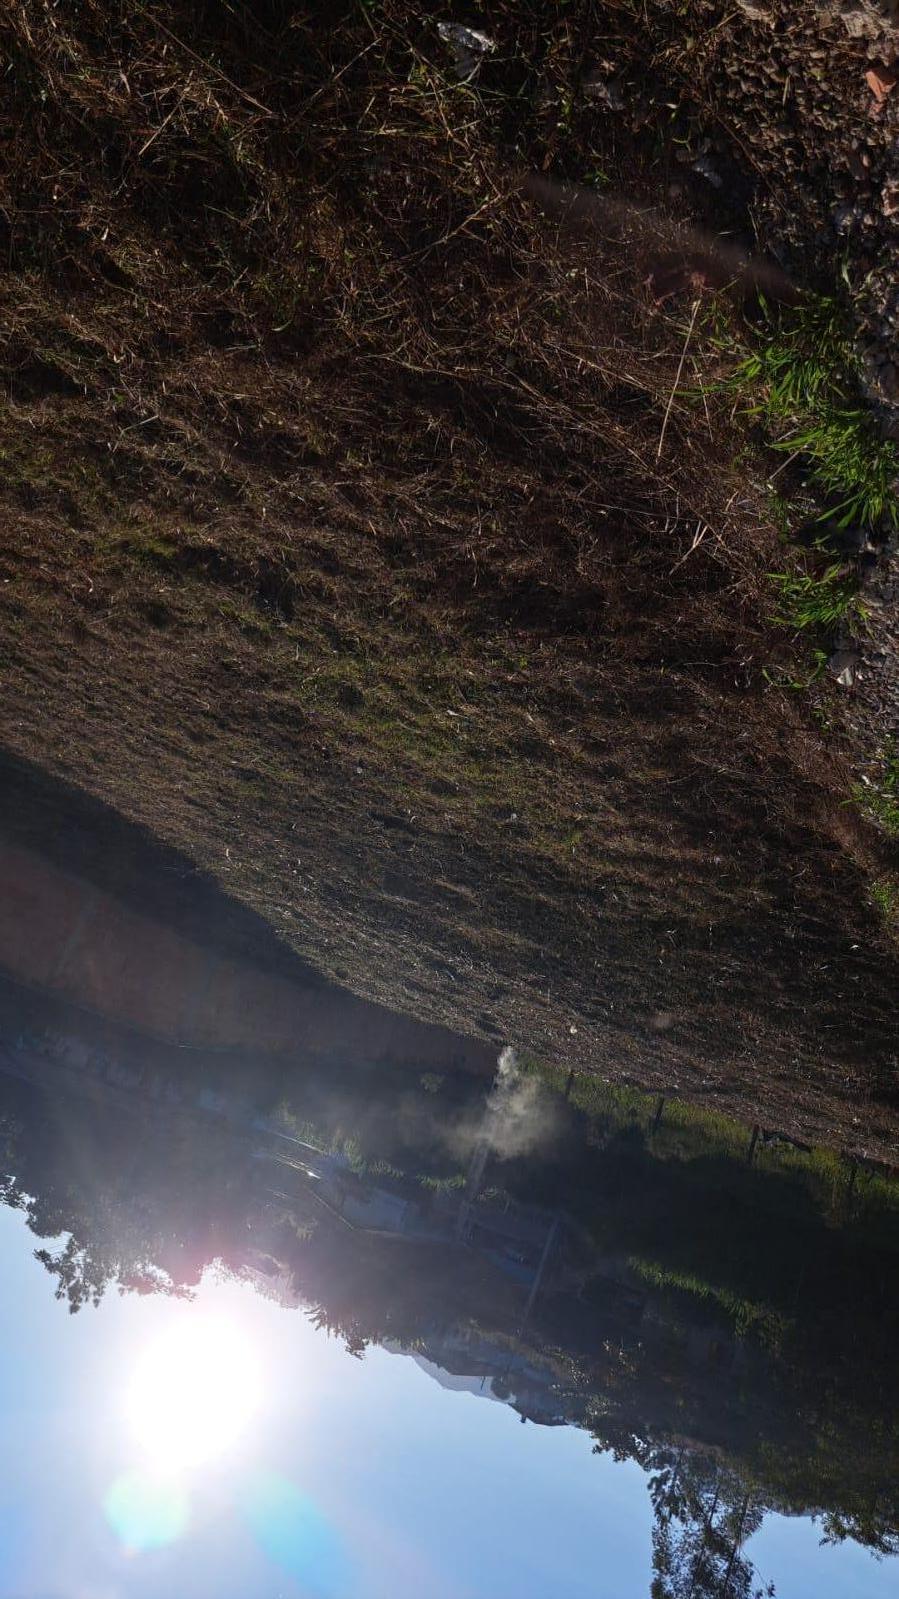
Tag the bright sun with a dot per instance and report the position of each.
(192, 1394)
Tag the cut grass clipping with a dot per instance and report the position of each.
(801, 379)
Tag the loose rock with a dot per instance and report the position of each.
(842, 666)
(756, 10)
(890, 197)
(602, 91)
(863, 19)
(881, 81)
(469, 47)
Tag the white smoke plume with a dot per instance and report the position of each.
(520, 1115)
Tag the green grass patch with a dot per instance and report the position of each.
(748, 1317)
(880, 800)
(146, 546)
(808, 601)
(851, 464)
(801, 379)
(885, 894)
(251, 623)
(685, 1132)
(803, 361)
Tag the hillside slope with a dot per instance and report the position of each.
(351, 540)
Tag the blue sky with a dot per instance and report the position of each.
(353, 1479)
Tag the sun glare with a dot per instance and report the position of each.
(192, 1395)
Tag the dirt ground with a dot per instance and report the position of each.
(362, 536)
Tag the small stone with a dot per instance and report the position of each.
(851, 540)
(604, 92)
(469, 47)
(844, 217)
(706, 170)
(889, 202)
(842, 667)
(756, 10)
(546, 96)
(880, 80)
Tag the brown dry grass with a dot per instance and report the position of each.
(336, 549)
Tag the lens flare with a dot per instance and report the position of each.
(146, 1511)
(294, 1534)
(192, 1394)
